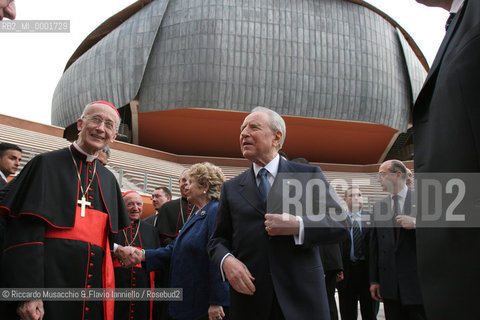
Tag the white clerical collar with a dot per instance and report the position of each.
(90, 158)
(403, 193)
(3, 176)
(456, 6)
(272, 166)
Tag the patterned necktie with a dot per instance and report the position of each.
(449, 20)
(264, 185)
(396, 212)
(357, 238)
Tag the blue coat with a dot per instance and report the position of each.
(190, 267)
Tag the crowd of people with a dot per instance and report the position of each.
(237, 248)
(232, 247)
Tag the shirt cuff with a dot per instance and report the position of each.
(300, 238)
(115, 246)
(221, 266)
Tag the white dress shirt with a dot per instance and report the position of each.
(2, 176)
(456, 6)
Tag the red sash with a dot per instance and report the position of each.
(92, 228)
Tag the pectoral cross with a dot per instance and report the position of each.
(83, 202)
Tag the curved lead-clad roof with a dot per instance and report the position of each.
(330, 59)
(110, 70)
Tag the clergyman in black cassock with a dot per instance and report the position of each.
(61, 212)
(142, 236)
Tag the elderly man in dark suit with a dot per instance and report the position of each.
(271, 260)
(393, 254)
(447, 140)
(355, 285)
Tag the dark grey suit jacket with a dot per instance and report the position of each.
(447, 139)
(393, 262)
(292, 273)
(151, 219)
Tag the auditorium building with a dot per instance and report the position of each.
(184, 74)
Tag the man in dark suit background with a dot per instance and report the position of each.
(393, 254)
(10, 157)
(272, 261)
(355, 285)
(160, 196)
(333, 268)
(447, 140)
(331, 262)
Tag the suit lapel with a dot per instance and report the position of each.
(390, 224)
(275, 197)
(407, 206)
(407, 210)
(194, 218)
(249, 191)
(365, 225)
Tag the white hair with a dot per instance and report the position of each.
(276, 122)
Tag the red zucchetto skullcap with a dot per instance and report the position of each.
(128, 192)
(107, 104)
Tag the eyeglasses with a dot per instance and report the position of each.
(383, 174)
(97, 120)
(351, 195)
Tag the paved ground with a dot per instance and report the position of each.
(380, 316)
